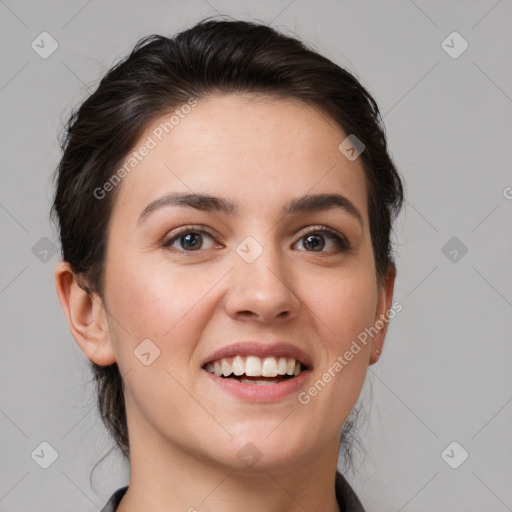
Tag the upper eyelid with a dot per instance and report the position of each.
(194, 228)
(205, 229)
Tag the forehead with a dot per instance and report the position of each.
(257, 150)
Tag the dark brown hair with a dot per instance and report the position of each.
(162, 74)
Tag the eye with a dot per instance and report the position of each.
(315, 238)
(188, 239)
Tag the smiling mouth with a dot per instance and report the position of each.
(256, 370)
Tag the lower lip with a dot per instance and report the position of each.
(261, 393)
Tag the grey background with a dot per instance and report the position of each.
(444, 374)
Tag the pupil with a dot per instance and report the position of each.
(194, 237)
(314, 243)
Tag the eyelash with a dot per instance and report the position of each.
(340, 241)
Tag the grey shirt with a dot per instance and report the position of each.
(347, 499)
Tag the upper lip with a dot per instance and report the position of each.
(254, 348)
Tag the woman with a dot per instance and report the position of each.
(225, 200)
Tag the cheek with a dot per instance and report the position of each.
(159, 301)
(163, 301)
(344, 306)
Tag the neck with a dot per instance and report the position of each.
(164, 477)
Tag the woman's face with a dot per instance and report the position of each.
(183, 282)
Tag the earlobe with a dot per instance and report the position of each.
(86, 316)
(381, 321)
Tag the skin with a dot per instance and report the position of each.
(184, 432)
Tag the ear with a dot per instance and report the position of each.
(381, 320)
(86, 316)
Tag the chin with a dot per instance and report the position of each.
(263, 451)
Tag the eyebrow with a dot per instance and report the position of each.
(209, 203)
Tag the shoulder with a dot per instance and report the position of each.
(347, 498)
(114, 500)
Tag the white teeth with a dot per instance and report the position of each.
(258, 382)
(269, 367)
(227, 369)
(290, 365)
(253, 366)
(282, 366)
(238, 366)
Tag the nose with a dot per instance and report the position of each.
(263, 289)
